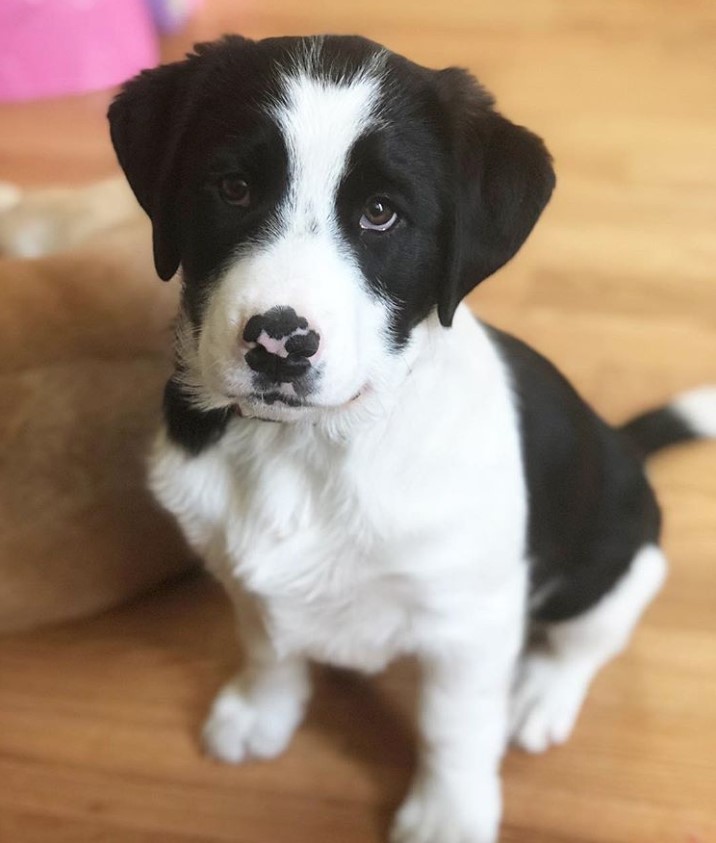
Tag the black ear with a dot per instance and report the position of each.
(146, 121)
(502, 177)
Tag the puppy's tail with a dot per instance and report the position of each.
(691, 415)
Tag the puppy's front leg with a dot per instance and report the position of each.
(456, 794)
(256, 713)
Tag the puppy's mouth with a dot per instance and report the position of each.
(278, 398)
(278, 406)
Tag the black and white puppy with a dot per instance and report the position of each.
(434, 487)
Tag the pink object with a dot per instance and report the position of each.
(170, 15)
(57, 47)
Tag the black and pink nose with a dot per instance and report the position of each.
(281, 343)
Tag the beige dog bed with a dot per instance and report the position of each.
(84, 342)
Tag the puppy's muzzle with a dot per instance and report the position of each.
(281, 344)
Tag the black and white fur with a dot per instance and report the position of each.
(433, 487)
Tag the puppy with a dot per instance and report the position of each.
(429, 485)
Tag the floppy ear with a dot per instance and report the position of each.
(147, 120)
(502, 179)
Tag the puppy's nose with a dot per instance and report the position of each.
(280, 343)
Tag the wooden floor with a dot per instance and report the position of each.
(99, 719)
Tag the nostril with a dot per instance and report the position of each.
(253, 328)
(303, 345)
(277, 369)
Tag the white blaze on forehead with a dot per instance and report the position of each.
(320, 122)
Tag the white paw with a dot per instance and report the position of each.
(240, 727)
(433, 814)
(546, 701)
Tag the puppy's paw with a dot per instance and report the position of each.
(546, 701)
(434, 813)
(241, 727)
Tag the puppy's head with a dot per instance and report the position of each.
(322, 197)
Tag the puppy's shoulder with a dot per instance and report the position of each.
(191, 429)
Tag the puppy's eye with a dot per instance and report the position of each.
(378, 215)
(235, 190)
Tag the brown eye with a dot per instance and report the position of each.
(378, 215)
(235, 191)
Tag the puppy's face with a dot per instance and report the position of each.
(322, 197)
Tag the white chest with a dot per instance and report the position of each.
(333, 562)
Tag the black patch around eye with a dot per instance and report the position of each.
(403, 166)
(213, 230)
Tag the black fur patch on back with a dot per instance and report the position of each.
(590, 505)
